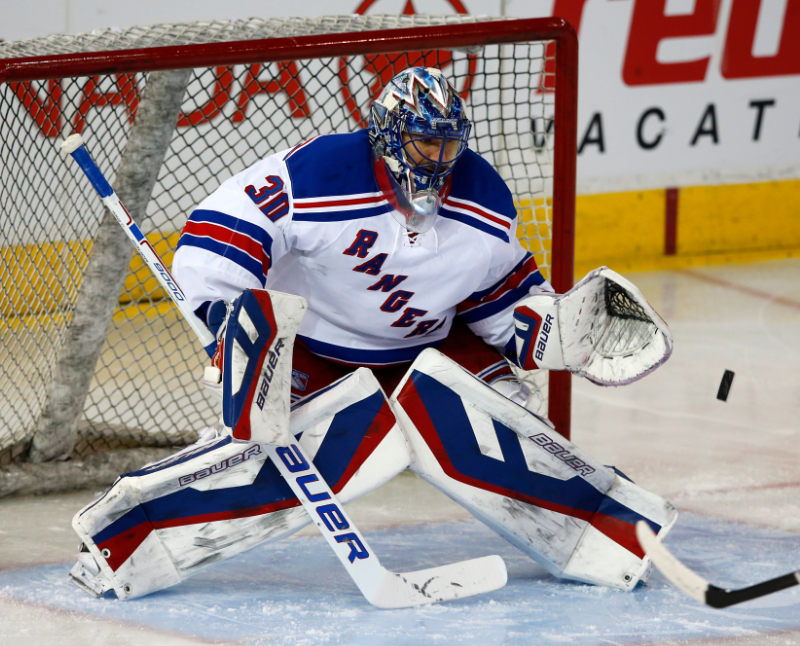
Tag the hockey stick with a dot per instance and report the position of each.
(696, 586)
(382, 588)
(74, 146)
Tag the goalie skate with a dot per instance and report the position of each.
(86, 574)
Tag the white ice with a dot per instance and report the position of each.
(732, 469)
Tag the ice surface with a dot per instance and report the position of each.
(731, 468)
(295, 592)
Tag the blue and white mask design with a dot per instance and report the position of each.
(418, 128)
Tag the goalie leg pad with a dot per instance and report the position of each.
(513, 472)
(161, 524)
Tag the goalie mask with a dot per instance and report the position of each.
(418, 129)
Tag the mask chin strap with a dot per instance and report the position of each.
(423, 203)
(418, 209)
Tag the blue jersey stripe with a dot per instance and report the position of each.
(479, 296)
(473, 222)
(365, 357)
(341, 216)
(508, 299)
(245, 261)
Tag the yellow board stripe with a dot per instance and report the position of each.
(42, 277)
(715, 225)
(46, 277)
(533, 229)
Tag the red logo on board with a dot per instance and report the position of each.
(382, 67)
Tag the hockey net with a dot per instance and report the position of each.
(251, 88)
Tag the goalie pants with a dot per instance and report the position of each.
(311, 372)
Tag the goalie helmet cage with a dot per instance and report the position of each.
(238, 91)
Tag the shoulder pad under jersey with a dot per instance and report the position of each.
(480, 198)
(332, 165)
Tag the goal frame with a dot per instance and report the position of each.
(449, 36)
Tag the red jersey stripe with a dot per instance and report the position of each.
(299, 146)
(478, 211)
(511, 282)
(252, 248)
(347, 202)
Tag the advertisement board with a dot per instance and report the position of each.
(672, 92)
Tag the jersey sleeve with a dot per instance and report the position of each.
(512, 273)
(489, 311)
(235, 235)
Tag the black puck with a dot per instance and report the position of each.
(725, 386)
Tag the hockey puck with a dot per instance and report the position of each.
(725, 386)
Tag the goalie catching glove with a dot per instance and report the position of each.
(602, 329)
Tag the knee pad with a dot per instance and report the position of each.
(157, 526)
(512, 471)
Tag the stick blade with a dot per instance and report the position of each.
(677, 573)
(444, 583)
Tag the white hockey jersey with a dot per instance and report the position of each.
(312, 221)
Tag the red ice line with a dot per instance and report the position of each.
(788, 302)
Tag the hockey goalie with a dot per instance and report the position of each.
(424, 318)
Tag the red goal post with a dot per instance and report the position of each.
(250, 88)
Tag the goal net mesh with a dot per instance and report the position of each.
(146, 389)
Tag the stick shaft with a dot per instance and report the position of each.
(142, 244)
(330, 517)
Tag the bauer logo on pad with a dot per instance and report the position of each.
(268, 373)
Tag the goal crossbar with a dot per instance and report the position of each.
(149, 59)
